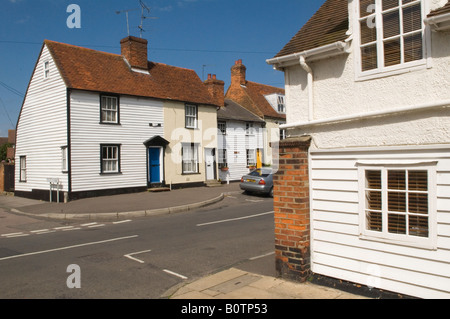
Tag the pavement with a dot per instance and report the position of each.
(233, 283)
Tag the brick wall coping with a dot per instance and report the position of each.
(304, 141)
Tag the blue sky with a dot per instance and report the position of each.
(204, 35)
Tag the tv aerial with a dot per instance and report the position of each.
(144, 10)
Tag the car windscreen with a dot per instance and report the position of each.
(260, 173)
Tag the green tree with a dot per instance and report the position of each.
(3, 150)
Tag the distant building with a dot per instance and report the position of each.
(247, 124)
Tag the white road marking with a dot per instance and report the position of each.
(137, 253)
(89, 224)
(233, 219)
(254, 200)
(175, 274)
(12, 234)
(68, 247)
(122, 221)
(97, 225)
(262, 256)
(16, 235)
(62, 228)
(46, 232)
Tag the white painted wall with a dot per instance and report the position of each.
(87, 134)
(236, 142)
(42, 128)
(338, 93)
(337, 249)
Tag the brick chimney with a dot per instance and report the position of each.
(216, 89)
(135, 51)
(238, 72)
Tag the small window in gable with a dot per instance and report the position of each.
(281, 104)
(46, 69)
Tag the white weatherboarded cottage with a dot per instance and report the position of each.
(94, 123)
(240, 141)
(368, 97)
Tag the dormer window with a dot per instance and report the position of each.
(281, 104)
(391, 35)
(46, 69)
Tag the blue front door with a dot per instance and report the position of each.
(154, 165)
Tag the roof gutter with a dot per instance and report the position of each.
(312, 54)
(322, 52)
(439, 22)
(420, 107)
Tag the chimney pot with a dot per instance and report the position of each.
(238, 73)
(209, 76)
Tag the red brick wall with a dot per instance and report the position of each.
(292, 211)
(2, 178)
(216, 89)
(135, 51)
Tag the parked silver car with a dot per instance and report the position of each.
(259, 180)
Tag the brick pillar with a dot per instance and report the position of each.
(292, 213)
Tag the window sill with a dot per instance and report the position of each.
(107, 123)
(396, 70)
(190, 174)
(416, 242)
(113, 173)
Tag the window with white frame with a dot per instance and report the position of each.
(46, 69)
(23, 168)
(190, 158)
(398, 202)
(223, 161)
(222, 127)
(249, 128)
(281, 104)
(109, 109)
(283, 134)
(64, 159)
(191, 116)
(391, 34)
(251, 157)
(110, 159)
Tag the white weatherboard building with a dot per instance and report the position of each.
(369, 82)
(96, 123)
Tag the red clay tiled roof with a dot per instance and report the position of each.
(328, 25)
(443, 10)
(91, 70)
(251, 96)
(257, 91)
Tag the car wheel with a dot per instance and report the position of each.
(271, 192)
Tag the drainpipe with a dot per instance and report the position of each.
(308, 69)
